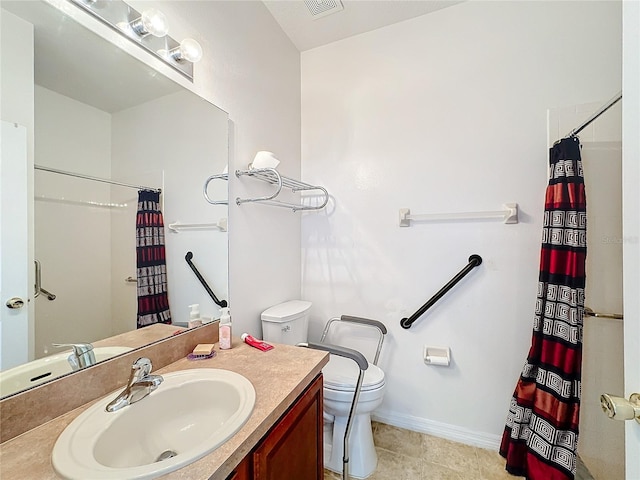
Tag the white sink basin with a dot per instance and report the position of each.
(44, 369)
(190, 414)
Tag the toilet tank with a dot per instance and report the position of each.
(286, 322)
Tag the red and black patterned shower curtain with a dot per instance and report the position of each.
(153, 299)
(541, 434)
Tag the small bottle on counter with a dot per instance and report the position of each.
(194, 316)
(225, 329)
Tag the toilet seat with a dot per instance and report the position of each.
(341, 374)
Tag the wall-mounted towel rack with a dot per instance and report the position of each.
(176, 227)
(474, 261)
(273, 177)
(509, 215)
(218, 176)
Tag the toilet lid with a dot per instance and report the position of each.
(342, 374)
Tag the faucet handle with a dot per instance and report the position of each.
(140, 368)
(82, 356)
(78, 348)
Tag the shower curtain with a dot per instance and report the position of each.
(153, 299)
(541, 433)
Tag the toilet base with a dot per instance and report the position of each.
(363, 458)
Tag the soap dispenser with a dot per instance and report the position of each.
(225, 329)
(194, 316)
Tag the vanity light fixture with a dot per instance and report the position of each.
(188, 50)
(151, 22)
(148, 30)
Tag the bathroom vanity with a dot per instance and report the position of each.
(281, 439)
(293, 447)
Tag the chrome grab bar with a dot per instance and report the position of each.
(38, 279)
(590, 313)
(38, 285)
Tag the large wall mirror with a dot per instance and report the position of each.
(90, 108)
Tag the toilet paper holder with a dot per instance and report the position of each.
(440, 356)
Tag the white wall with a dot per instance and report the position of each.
(444, 113)
(72, 238)
(631, 228)
(16, 102)
(602, 357)
(152, 145)
(251, 70)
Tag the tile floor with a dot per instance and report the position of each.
(406, 455)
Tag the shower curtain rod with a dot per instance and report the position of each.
(97, 179)
(603, 109)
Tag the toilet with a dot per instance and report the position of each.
(288, 323)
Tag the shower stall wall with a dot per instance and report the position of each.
(601, 441)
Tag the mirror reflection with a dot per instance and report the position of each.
(98, 114)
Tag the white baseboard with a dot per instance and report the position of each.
(439, 429)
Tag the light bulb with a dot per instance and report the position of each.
(189, 50)
(152, 22)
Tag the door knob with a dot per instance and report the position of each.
(618, 408)
(15, 302)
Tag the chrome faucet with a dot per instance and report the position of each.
(82, 355)
(141, 383)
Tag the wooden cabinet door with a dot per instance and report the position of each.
(293, 448)
(242, 471)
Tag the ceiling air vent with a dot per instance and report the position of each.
(322, 8)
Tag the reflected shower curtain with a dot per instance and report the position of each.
(541, 433)
(153, 299)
